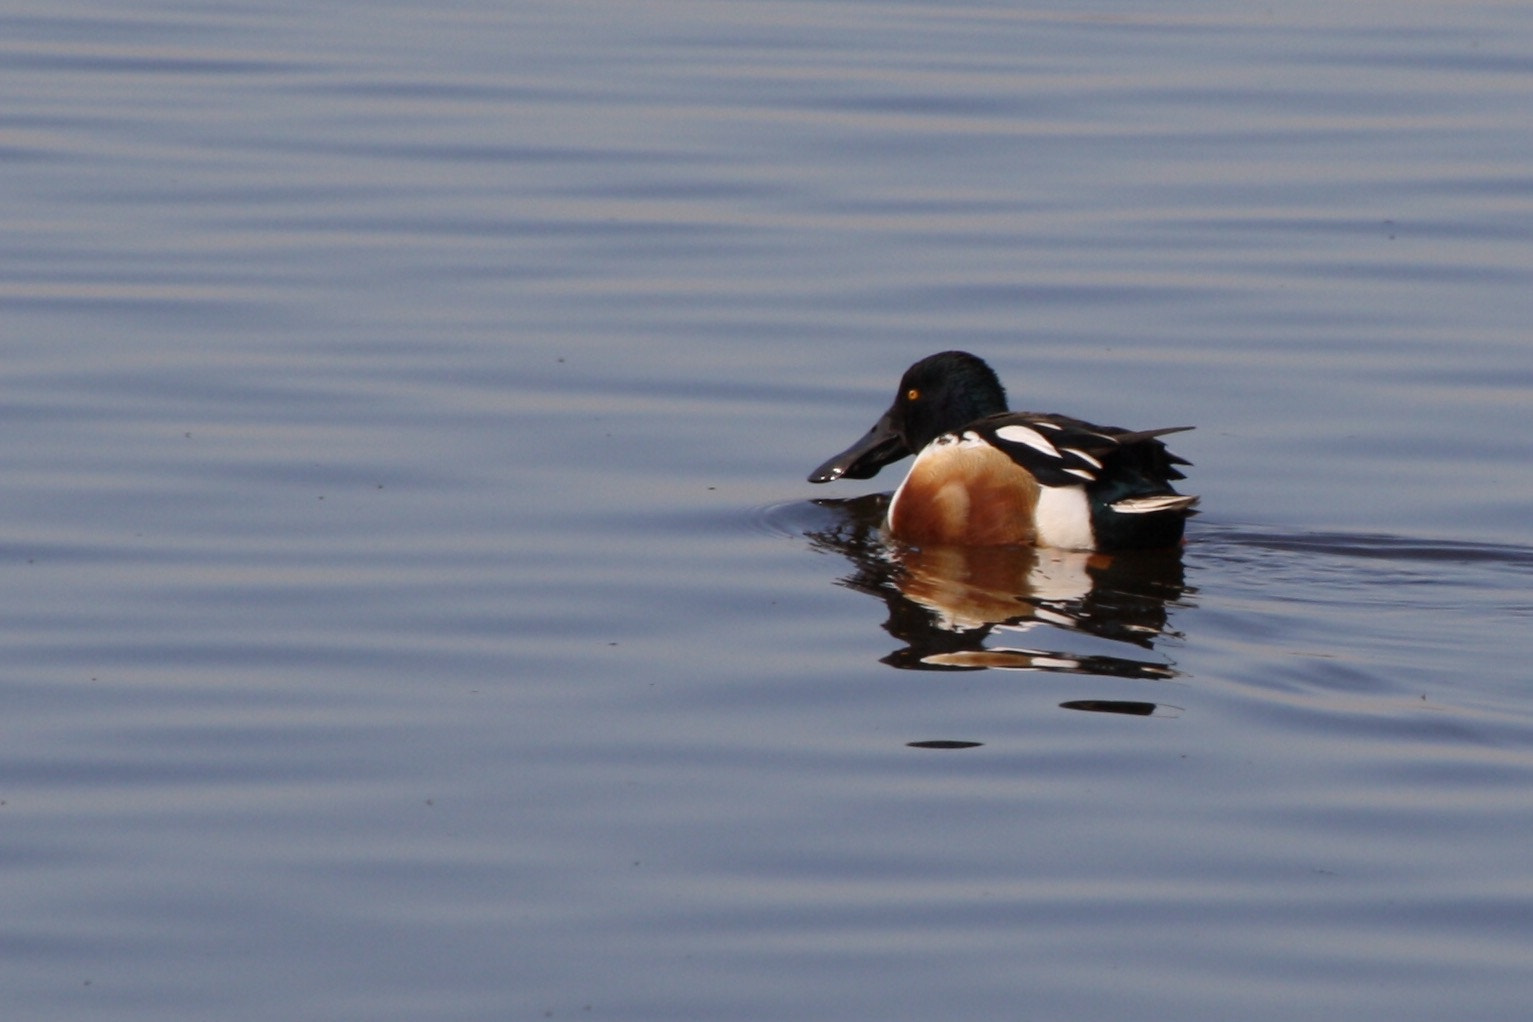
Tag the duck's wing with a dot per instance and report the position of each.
(1063, 451)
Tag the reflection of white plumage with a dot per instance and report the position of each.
(967, 588)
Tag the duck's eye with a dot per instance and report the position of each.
(912, 394)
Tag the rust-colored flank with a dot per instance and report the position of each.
(964, 492)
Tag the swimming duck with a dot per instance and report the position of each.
(985, 476)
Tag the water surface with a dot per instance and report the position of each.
(413, 606)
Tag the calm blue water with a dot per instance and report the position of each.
(413, 608)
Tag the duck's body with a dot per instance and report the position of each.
(984, 476)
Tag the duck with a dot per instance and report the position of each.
(984, 476)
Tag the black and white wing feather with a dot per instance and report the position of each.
(1061, 451)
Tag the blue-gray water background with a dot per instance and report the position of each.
(411, 602)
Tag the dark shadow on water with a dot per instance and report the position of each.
(945, 604)
(1123, 707)
(1130, 708)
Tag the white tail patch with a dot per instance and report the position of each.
(1029, 437)
(1150, 505)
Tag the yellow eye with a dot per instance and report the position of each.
(912, 394)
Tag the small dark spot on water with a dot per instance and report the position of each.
(943, 743)
(1124, 706)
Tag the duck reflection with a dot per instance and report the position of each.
(947, 604)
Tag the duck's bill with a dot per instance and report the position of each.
(880, 446)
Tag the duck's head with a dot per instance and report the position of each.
(939, 394)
